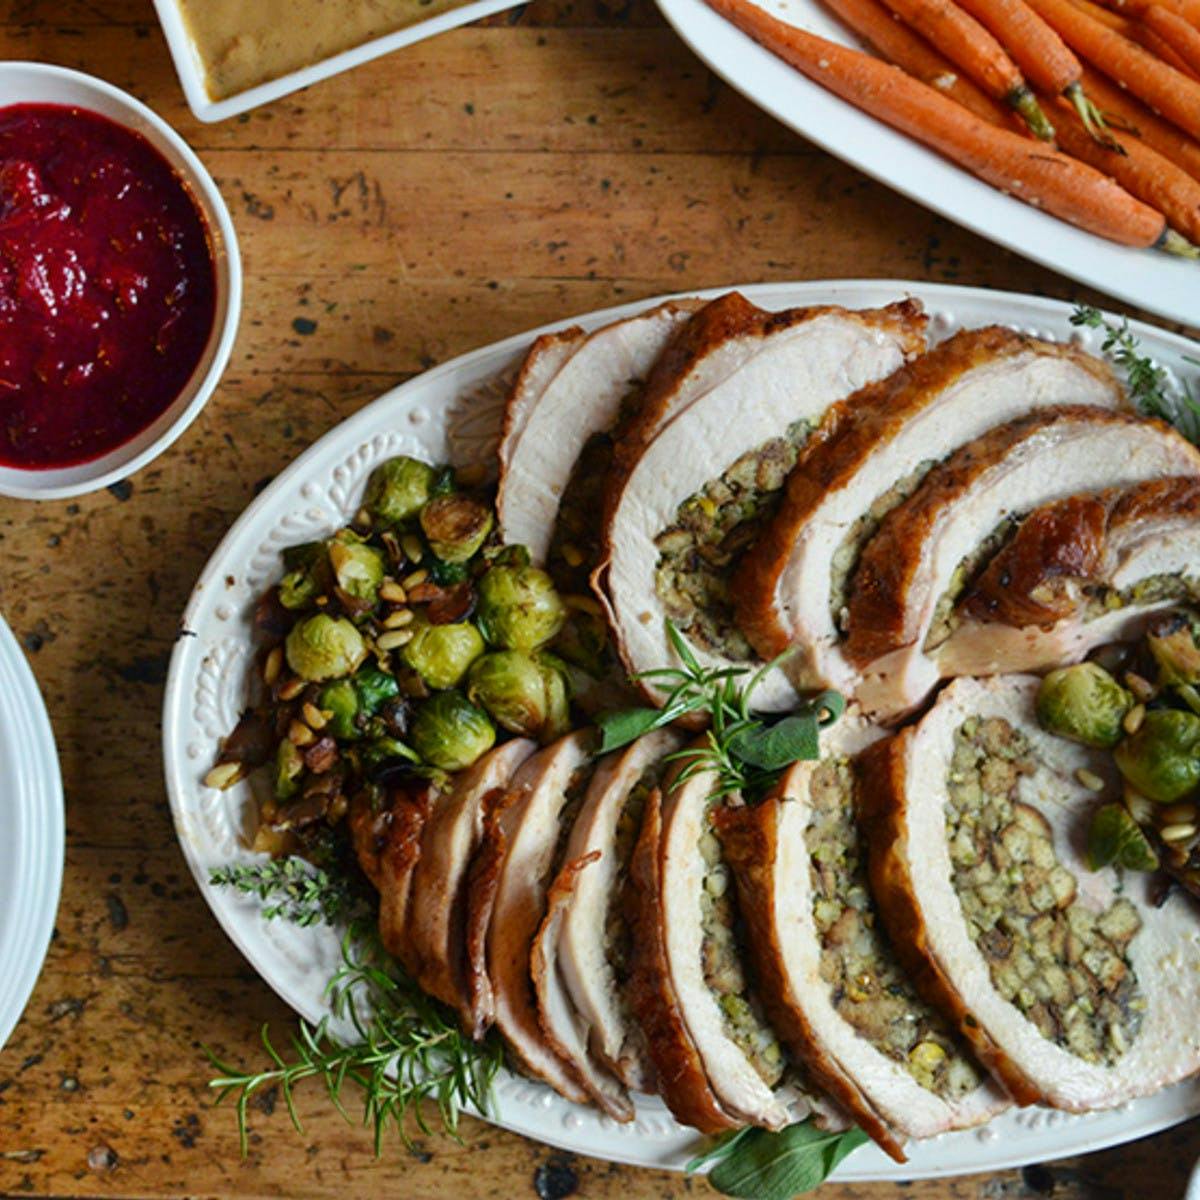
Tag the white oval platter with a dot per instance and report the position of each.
(452, 414)
(1152, 280)
(31, 847)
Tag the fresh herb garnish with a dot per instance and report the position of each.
(1147, 381)
(293, 889)
(405, 1048)
(745, 751)
(760, 1165)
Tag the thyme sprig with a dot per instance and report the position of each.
(1146, 380)
(743, 750)
(403, 1049)
(293, 889)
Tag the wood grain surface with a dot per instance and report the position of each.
(552, 160)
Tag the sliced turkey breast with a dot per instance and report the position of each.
(830, 981)
(532, 824)
(542, 362)
(929, 548)
(584, 398)
(740, 1054)
(1076, 574)
(1074, 987)
(696, 494)
(437, 905)
(594, 936)
(679, 1069)
(791, 585)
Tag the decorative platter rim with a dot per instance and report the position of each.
(451, 413)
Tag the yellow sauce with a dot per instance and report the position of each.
(242, 45)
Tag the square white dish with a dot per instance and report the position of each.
(191, 71)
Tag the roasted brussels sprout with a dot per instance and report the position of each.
(324, 647)
(307, 576)
(441, 654)
(558, 698)
(383, 750)
(1115, 837)
(519, 608)
(455, 526)
(298, 589)
(511, 687)
(289, 765)
(1162, 759)
(582, 641)
(357, 567)
(398, 489)
(340, 701)
(374, 688)
(1174, 641)
(1083, 703)
(450, 732)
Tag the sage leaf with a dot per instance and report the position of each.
(626, 725)
(778, 1166)
(773, 747)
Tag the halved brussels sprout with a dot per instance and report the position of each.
(307, 575)
(582, 641)
(398, 489)
(1173, 641)
(357, 567)
(558, 698)
(450, 732)
(1115, 837)
(374, 688)
(1162, 759)
(511, 687)
(441, 654)
(298, 589)
(1083, 703)
(289, 765)
(519, 608)
(455, 527)
(324, 647)
(340, 701)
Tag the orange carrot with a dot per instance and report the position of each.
(1161, 49)
(1189, 10)
(1039, 175)
(1182, 36)
(1166, 90)
(1039, 52)
(964, 41)
(1141, 171)
(894, 41)
(1124, 112)
(1123, 25)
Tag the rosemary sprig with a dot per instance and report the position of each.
(746, 752)
(293, 889)
(405, 1049)
(1146, 379)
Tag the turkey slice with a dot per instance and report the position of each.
(542, 362)
(791, 585)
(531, 825)
(1075, 987)
(438, 901)
(583, 398)
(1077, 574)
(829, 978)
(678, 521)
(928, 548)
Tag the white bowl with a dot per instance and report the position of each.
(40, 83)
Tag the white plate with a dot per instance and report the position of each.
(451, 414)
(191, 71)
(1150, 279)
(31, 816)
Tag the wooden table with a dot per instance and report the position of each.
(553, 160)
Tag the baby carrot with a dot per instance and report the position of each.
(1039, 175)
(1182, 36)
(1168, 91)
(894, 41)
(1122, 111)
(1161, 49)
(1039, 52)
(1141, 171)
(1189, 10)
(964, 41)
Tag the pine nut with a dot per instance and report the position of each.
(299, 734)
(572, 554)
(394, 639)
(1177, 833)
(1143, 689)
(392, 592)
(411, 545)
(1134, 718)
(291, 689)
(1174, 814)
(273, 666)
(223, 775)
(314, 718)
(399, 618)
(415, 579)
(1140, 809)
(1090, 779)
(362, 519)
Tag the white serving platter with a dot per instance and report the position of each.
(452, 414)
(31, 847)
(1150, 279)
(191, 71)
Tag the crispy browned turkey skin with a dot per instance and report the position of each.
(872, 453)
